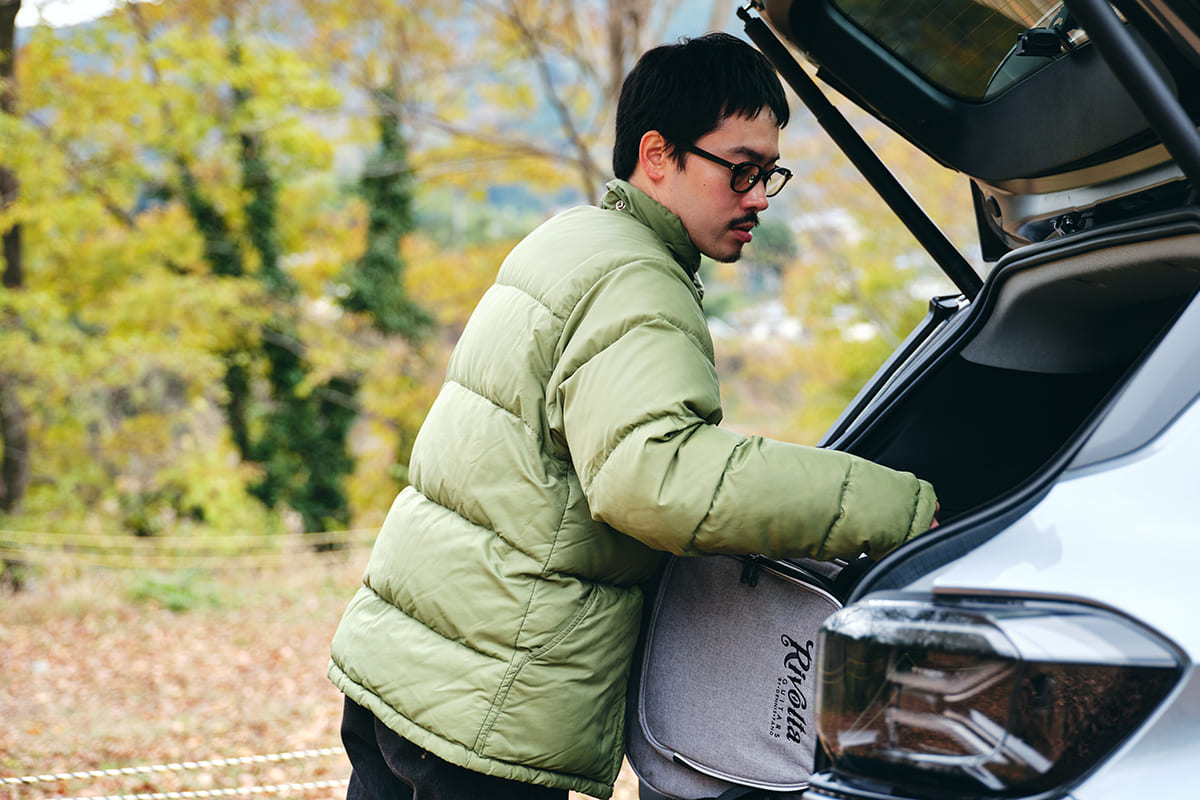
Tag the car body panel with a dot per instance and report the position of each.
(1087, 539)
(1160, 761)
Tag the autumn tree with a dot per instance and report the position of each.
(374, 284)
(10, 234)
(144, 248)
(113, 396)
(14, 437)
(300, 436)
(547, 76)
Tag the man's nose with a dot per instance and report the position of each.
(756, 198)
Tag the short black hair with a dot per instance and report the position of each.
(687, 89)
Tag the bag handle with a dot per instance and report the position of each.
(839, 586)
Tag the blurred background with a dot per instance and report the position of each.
(240, 239)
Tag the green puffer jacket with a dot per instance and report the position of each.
(575, 440)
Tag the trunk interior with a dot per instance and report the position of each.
(1009, 381)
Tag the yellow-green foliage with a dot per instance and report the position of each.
(118, 342)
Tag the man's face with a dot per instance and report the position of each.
(718, 219)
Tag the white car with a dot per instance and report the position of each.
(1042, 642)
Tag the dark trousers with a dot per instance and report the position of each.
(386, 766)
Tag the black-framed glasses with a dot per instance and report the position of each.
(747, 174)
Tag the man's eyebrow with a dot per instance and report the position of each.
(753, 155)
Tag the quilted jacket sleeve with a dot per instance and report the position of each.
(639, 401)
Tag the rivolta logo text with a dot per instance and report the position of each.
(791, 700)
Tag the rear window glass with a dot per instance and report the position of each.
(957, 44)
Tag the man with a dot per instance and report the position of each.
(574, 442)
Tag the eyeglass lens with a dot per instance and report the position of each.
(746, 175)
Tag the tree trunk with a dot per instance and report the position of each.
(14, 435)
(13, 272)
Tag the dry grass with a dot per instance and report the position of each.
(98, 672)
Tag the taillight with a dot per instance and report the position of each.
(982, 699)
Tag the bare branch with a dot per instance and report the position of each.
(506, 147)
(590, 173)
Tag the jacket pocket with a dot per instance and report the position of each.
(562, 708)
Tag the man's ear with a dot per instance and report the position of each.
(653, 154)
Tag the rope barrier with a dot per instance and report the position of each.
(153, 561)
(241, 790)
(173, 552)
(128, 541)
(180, 767)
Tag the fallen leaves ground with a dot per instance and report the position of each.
(97, 672)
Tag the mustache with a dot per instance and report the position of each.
(750, 218)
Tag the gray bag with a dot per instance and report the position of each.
(725, 694)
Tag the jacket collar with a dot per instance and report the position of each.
(625, 197)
